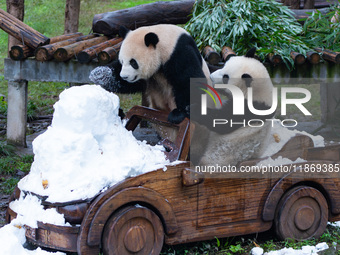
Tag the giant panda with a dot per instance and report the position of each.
(231, 145)
(160, 59)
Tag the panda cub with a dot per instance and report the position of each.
(231, 145)
(159, 59)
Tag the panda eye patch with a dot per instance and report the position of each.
(134, 63)
(225, 79)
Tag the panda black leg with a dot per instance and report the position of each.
(177, 116)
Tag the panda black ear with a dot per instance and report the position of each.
(151, 39)
(248, 79)
(251, 53)
(123, 31)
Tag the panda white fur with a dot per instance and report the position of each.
(230, 146)
(160, 59)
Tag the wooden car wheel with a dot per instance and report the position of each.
(302, 213)
(133, 230)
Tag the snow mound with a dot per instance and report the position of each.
(87, 148)
(284, 134)
(12, 239)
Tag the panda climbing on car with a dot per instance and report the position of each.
(160, 59)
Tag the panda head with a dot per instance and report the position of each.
(139, 54)
(244, 72)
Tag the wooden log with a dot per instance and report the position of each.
(313, 57)
(19, 52)
(172, 12)
(69, 51)
(211, 56)
(309, 4)
(65, 37)
(21, 31)
(109, 54)
(274, 59)
(298, 58)
(329, 55)
(227, 53)
(88, 54)
(46, 52)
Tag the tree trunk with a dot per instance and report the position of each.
(309, 4)
(17, 9)
(72, 16)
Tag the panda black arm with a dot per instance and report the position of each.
(184, 63)
(109, 78)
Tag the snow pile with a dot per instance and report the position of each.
(30, 210)
(284, 134)
(310, 250)
(87, 148)
(279, 161)
(12, 239)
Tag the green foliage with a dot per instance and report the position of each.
(3, 105)
(320, 31)
(264, 24)
(10, 166)
(7, 185)
(6, 150)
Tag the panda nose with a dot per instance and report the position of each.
(124, 77)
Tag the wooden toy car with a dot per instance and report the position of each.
(179, 205)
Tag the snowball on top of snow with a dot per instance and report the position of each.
(86, 109)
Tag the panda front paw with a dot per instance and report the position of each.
(177, 116)
(104, 76)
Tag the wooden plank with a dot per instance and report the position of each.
(52, 236)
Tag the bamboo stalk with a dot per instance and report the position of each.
(88, 54)
(211, 55)
(329, 55)
(298, 58)
(313, 57)
(46, 52)
(227, 53)
(69, 51)
(109, 54)
(19, 52)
